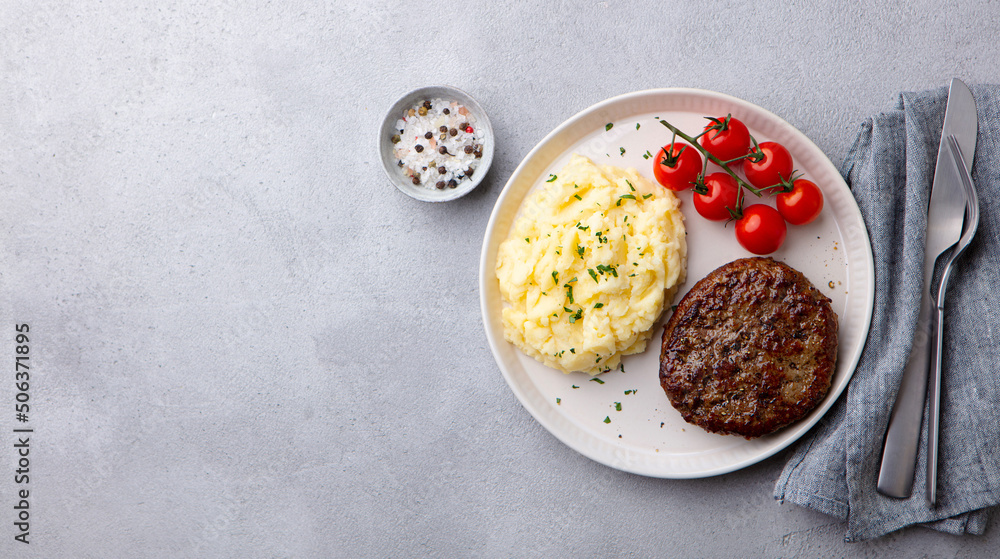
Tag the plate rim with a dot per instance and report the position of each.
(494, 338)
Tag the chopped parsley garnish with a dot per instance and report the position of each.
(580, 249)
(618, 406)
(608, 126)
(576, 316)
(582, 227)
(598, 305)
(569, 294)
(555, 276)
(558, 400)
(622, 150)
(632, 188)
(637, 126)
(607, 419)
(646, 196)
(627, 392)
(552, 178)
(593, 274)
(604, 269)
(627, 196)
(575, 386)
(597, 380)
(527, 240)
(647, 155)
(577, 196)
(572, 350)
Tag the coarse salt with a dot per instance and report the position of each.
(421, 157)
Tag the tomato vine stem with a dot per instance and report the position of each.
(714, 159)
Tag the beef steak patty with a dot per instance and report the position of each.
(750, 348)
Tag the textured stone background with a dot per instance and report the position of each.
(246, 343)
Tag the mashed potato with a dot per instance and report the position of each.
(589, 265)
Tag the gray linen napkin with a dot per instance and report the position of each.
(890, 169)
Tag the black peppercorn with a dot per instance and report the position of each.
(468, 149)
(442, 170)
(440, 184)
(443, 129)
(453, 132)
(428, 135)
(443, 150)
(452, 183)
(419, 148)
(446, 111)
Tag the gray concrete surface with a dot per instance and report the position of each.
(245, 343)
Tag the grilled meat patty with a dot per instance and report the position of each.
(751, 348)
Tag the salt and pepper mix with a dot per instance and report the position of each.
(438, 144)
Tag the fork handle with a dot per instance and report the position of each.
(934, 410)
(902, 438)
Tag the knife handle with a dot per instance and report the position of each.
(902, 438)
(934, 409)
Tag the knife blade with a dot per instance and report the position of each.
(944, 227)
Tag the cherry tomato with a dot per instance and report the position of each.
(802, 205)
(761, 230)
(729, 141)
(685, 169)
(773, 169)
(722, 196)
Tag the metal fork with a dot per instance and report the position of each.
(971, 224)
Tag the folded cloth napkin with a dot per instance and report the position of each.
(890, 169)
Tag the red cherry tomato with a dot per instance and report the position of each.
(686, 165)
(726, 140)
(773, 169)
(761, 230)
(723, 193)
(802, 205)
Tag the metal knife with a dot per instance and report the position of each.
(902, 438)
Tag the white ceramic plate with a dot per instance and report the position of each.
(647, 436)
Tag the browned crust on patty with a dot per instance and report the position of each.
(750, 348)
